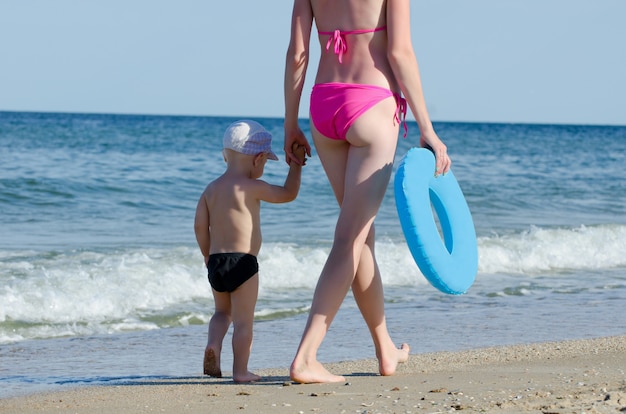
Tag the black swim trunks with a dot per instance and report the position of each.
(228, 271)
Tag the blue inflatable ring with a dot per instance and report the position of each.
(451, 267)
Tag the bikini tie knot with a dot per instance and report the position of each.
(339, 42)
(401, 108)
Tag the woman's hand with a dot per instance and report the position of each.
(292, 138)
(442, 160)
(299, 152)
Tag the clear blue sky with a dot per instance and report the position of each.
(543, 61)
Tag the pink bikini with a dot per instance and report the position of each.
(335, 106)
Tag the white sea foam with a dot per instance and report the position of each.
(55, 294)
(541, 250)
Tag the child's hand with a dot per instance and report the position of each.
(300, 152)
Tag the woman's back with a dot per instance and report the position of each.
(358, 53)
(349, 14)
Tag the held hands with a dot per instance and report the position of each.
(294, 138)
(299, 152)
(442, 160)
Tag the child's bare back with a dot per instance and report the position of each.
(234, 212)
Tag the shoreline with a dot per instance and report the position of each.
(586, 375)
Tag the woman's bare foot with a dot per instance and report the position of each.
(211, 364)
(247, 377)
(388, 363)
(312, 373)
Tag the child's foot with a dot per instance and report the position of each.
(314, 373)
(247, 377)
(211, 364)
(388, 363)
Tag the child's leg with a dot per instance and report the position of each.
(243, 301)
(218, 327)
(367, 288)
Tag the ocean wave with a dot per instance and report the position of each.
(65, 293)
(546, 250)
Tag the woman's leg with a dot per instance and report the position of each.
(367, 286)
(368, 293)
(359, 172)
(305, 367)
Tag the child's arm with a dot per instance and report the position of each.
(288, 192)
(201, 228)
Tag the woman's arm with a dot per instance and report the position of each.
(406, 71)
(295, 72)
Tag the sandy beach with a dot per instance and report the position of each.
(582, 376)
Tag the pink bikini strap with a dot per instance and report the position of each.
(400, 115)
(338, 38)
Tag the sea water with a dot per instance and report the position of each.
(101, 280)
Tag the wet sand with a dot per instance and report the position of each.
(558, 377)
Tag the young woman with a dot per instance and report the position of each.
(366, 66)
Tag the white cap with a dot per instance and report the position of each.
(249, 138)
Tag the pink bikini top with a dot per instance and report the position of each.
(338, 38)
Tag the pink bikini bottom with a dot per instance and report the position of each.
(335, 106)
